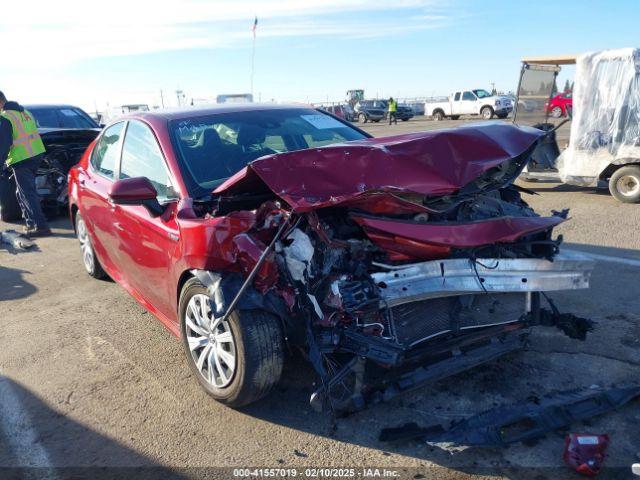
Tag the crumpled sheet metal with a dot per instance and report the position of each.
(459, 235)
(433, 163)
(234, 244)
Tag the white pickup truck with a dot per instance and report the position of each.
(469, 102)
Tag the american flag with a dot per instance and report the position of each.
(255, 25)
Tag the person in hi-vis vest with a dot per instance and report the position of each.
(21, 150)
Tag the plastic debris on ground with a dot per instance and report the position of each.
(585, 452)
(520, 422)
(16, 240)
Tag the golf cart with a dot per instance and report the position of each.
(604, 146)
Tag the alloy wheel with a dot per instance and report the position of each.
(210, 341)
(88, 257)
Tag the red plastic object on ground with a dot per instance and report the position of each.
(585, 452)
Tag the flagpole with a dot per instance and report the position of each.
(253, 58)
(253, 53)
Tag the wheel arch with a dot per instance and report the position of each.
(437, 110)
(230, 284)
(182, 279)
(611, 168)
(73, 212)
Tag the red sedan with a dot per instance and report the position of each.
(246, 229)
(560, 105)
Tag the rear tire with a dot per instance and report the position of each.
(9, 206)
(454, 117)
(624, 184)
(487, 113)
(91, 262)
(255, 340)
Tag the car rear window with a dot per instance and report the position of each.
(65, 117)
(212, 148)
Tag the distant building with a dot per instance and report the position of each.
(235, 98)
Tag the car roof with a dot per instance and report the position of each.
(44, 105)
(203, 111)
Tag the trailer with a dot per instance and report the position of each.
(604, 146)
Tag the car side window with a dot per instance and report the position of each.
(468, 96)
(105, 154)
(457, 96)
(142, 157)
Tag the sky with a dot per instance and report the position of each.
(99, 55)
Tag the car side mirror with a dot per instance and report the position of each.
(136, 191)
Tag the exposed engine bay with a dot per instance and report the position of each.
(64, 148)
(398, 261)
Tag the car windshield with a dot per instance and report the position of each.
(62, 117)
(481, 93)
(212, 148)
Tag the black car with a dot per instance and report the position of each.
(370, 110)
(66, 132)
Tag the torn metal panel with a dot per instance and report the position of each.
(525, 421)
(440, 278)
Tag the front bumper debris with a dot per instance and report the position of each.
(442, 278)
(509, 424)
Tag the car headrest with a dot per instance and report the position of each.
(210, 139)
(251, 135)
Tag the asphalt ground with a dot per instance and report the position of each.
(92, 386)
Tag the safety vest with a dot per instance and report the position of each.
(393, 106)
(26, 140)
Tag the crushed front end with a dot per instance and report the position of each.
(405, 260)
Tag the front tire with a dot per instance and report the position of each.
(624, 184)
(438, 115)
(556, 112)
(238, 361)
(487, 113)
(362, 118)
(91, 262)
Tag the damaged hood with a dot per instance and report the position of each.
(434, 163)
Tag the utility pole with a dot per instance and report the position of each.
(162, 98)
(179, 95)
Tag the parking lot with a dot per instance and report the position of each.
(93, 379)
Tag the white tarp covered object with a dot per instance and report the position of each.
(605, 128)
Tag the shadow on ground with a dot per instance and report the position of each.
(45, 452)
(12, 284)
